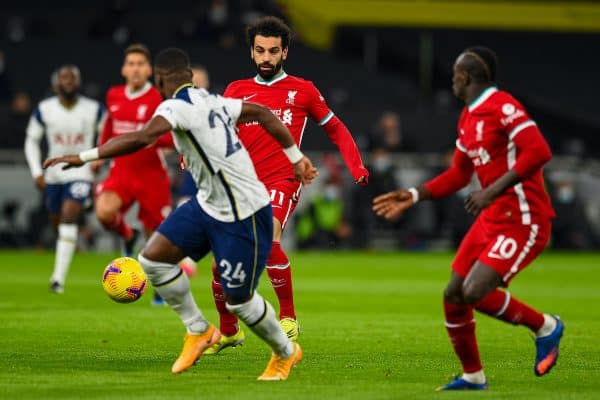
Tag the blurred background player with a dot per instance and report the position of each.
(500, 143)
(292, 100)
(231, 213)
(141, 176)
(70, 123)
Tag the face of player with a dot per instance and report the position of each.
(460, 79)
(200, 78)
(268, 54)
(67, 84)
(136, 70)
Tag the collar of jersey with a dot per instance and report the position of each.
(261, 81)
(134, 95)
(483, 96)
(180, 88)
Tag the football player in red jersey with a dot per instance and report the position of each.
(294, 100)
(500, 143)
(141, 176)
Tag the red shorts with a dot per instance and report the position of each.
(152, 192)
(284, 198)
(506, 247)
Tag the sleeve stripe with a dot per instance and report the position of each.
(100, 113)
(327, 118)
(519, 128)
(38, 116)
(460, 146)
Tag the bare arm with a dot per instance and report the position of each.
(272, 124)
(118, 146)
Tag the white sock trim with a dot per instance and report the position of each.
(67, 232)
(251, 312)
(477, 377)
(504, 306)
(451, 325)
(160, 273)
(548, 327)
(280, 266)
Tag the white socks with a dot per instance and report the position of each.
(65, 247)
(474, 377)
(174, 287)
(548, 327)
(259, 316)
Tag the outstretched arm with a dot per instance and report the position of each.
(117, 146)
(303, 168)
(342, 138)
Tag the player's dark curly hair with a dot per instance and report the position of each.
(483, 68)
(269, 27)
(172, 60)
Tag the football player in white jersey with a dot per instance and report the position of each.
(230, 215)
(70, 123)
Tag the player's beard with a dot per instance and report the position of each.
(268, 74)
(68, 95)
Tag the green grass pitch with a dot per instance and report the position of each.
(372, 328)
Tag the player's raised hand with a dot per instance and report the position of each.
(392, 205)
(71, 160)
(304, 171)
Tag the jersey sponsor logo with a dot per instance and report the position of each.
(291, 96)
(508, 109)
(141, 111)
(248, 97)
(512, 114)
(479, 130)
(287, 117)
(62, 139)
(120, 127)
(479, 156)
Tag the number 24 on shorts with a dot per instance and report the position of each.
(234, 277)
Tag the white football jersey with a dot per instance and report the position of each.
(205, 134)
(68, 131)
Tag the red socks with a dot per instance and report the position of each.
(280, 273)
(228, 323)
(501, 305)
(460, 325)
(119, 225)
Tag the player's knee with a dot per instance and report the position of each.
(473, 292)
(453, 293)
(104, 214)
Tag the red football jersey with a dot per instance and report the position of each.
(292, 100)
(493, 132)
(129, 112)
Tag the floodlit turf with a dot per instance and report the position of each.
(372, 328)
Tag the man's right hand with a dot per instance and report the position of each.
(40, 182)
(392, 205)
(304, 171)
(96, 165)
